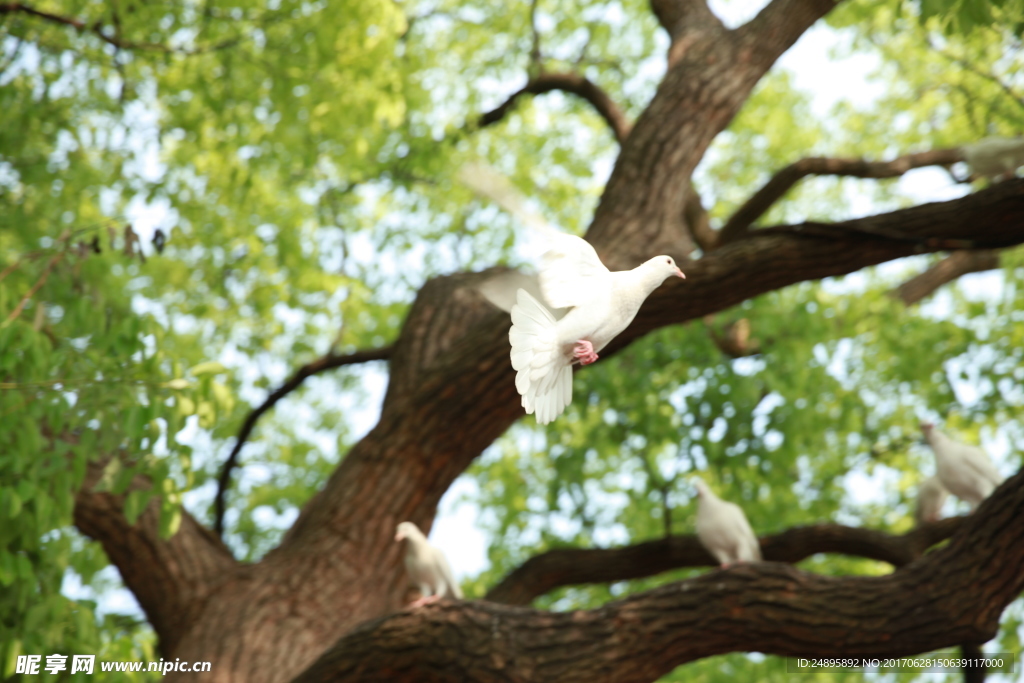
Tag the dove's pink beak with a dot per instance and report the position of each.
(680, 273)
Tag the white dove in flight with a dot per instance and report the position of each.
(599, 304)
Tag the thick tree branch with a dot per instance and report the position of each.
(948, 269)
(781, 23)
(572, 83)
(953, 595)
(771, 258)
(330, 361)
(698, 221)
(170, 578)
(711, 73)
(680, 16)
(573, 566)
(781, 183)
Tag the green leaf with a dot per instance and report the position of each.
(207, 368)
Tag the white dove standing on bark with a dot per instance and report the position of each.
(600, 304)
(931, 495)
(427, 568)
(723, 528)
(996, 158)
(965, 471)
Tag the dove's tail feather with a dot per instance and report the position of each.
(543, 375)
(751, 551)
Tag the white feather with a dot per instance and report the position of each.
(994, 156)
(572, 274)
(426, 565)
(931, 496)
(600, 304)
(965, 471)
(723, 529)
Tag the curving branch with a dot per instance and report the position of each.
(945, 271)
(780, 184)
(330, 361)
(573, 566)
(951, 596)
(576, 84)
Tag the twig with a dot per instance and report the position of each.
(987, 75)
(326, 362)
(663, 486)
(14, 266)
(35, 288)
(948, 269)
(779, 185)
(535, 55)
(572, 83)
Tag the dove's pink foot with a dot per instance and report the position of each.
(425, 600)
(584, 352)
(726, 565)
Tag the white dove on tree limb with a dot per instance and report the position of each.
(427, 567)
(931, 495)
(600, 304)
(994, 157)
(723, 528)
(965, 471)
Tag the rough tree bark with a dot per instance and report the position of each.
(955, 594)
(574, 566)
(451, 393)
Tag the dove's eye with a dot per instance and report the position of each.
(668, 261)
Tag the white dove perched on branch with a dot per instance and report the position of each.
(723, 528)
(994, 157)
(931, 495)
(427, 568)
(965, 471)
(600, 303)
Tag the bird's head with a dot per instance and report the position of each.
(702, 488)
(666, 267)
(407, 530)
(926, 430)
